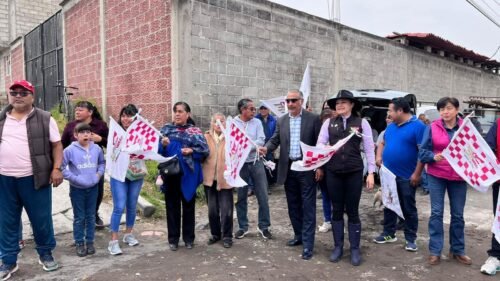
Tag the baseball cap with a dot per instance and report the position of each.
(23, 84)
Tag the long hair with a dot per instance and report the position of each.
(129, 110)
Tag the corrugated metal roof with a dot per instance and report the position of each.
(439, 43)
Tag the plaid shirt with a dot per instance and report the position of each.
(295, 152)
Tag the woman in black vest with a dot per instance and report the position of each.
(344, 171)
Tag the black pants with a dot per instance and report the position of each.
(495, 247)
(300, 191)
(344, 189)
(100, 194)
(220, 211)
(173, 201)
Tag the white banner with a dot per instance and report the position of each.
(276, 105)
(305, 86)
(472, 158)
(389, 188)
(495, 228)
(314, 157)
(238, 146)
(117, 160)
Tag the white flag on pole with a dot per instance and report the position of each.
(305, 86)
(117, 160)
(276, 105)
(389, 188)
(238, 146)
(472, 158)
(315, 157)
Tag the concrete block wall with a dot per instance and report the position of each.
(259, 49)
(4, 23)
(29, 14)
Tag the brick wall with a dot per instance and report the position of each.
(17, 64)
(259, 49)
(138, 60)
(82, 50)
(138, 66)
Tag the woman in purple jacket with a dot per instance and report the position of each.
(441, 179)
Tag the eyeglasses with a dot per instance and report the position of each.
(22, 94)
(291, 100)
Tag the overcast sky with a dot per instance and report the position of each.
(454, 20)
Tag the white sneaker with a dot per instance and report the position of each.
(491, 266)
(130, 239)
(114, 248)
(325, 227)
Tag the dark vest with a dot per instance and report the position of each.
(348, 158)
(37, 126)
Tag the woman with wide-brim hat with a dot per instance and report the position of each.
(344, 171)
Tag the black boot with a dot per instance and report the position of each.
(354, 238)
(338, 239)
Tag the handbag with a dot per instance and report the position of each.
(136, 169)
(169, 168)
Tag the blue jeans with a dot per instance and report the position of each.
(406, 194)
(257, 173)
(327, 202)
(125, 195)
(16, 193)
(457, 193)
(425, 181)
(83, 201)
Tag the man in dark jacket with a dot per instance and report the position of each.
(269, 125)
(297, 126)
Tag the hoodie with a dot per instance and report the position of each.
(254, 130)
(81, 165)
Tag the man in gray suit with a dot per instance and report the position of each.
(300, 188)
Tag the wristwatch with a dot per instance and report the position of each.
(58, 168)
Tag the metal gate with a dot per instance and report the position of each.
(43, 56)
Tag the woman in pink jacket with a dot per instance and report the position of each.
(441, 179)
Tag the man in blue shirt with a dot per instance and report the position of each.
(398, 151)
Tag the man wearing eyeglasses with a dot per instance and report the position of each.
(297, 126)
(30, 163)
(252, 169)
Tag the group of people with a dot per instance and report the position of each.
(34, 157)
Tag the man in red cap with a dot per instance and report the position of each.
(30, 163)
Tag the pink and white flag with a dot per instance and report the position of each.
(314, 157)
(471, 157)
(276, 105)
(143, 140)
(117, 160)
(238, 146)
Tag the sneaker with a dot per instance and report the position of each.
(381, 239)
(240, 233)
(80, 250)
(227, 243)
(491, 266)
(411, 246)
(325, 227)
(90, 249)
(266, 234)
(114, 248)
(48, 262)
(129, 239)
(7, 270)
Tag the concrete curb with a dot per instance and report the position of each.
(147, 209)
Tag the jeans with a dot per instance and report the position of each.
(258, 174)
(425, 181)
(220, 211)
(83, 201)
(300, 190)
(495, 246)
(173, 201)
(100, 194)
(125, 195)
(457, 193)
(16, 193)
(406, 194)
(327, 203)
(344, 189)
